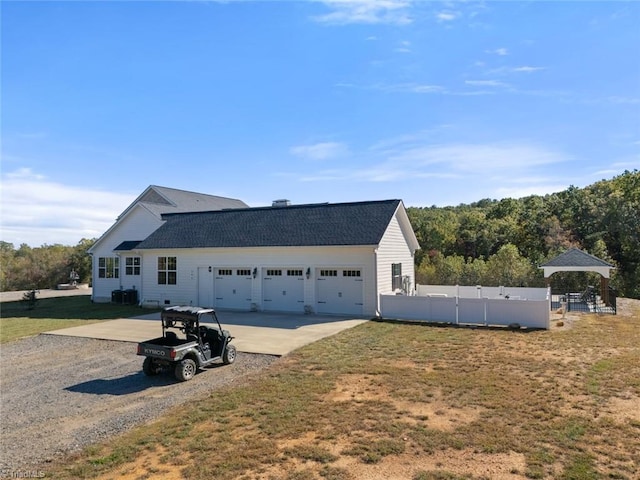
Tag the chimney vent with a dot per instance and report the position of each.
(283, 202)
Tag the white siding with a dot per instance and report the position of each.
(138, 224)
(394, 248)
(188, 261)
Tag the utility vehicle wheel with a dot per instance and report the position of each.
(149, 367)
(185, 370)
(229, 354)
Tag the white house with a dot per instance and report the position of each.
(113, 271)
(318, 258)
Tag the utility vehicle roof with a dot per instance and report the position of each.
(187, 310)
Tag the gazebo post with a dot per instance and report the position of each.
(604, 290)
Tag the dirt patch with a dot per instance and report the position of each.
(562, 321)
(623, 410)
(149, 465)
(435, 414)
(502, 466)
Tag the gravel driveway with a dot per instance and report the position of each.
(60, 394)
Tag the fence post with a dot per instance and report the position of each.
(457, 318)
(486, 323)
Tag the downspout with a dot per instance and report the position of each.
(375, 281)
(120, 271)
(140, 289)
(93, 278)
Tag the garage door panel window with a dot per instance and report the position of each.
(225, 271)
(294, 273)
(351, 273)
(243, 272)
(274, 273)
(167, 270)
(328, 273)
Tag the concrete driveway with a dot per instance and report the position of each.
(254, 332)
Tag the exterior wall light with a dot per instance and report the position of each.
(308, 272)
(255, 272)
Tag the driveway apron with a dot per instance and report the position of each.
(253, 332)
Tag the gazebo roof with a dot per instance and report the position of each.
(575, 260)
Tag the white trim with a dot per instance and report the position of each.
(604, 271)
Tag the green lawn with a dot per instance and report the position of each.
(422, 402)
(53, 313)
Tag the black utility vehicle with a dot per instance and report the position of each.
(198, 345)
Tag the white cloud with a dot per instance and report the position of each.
(486, 83)
(499, 51)
(23, 173)
(480, 158)
(511, 70)
(344, 12)
(320, 151)
(623, 100)
(527, 69)
(422, 169)
(404, 47)
(484, 87)
(447, 16)
(37, 211)
(409, 88)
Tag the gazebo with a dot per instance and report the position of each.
(575, 260)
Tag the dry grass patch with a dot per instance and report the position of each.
(454, 404)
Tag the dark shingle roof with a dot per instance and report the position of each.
(127, 245)
(576, 258)
(362, 223)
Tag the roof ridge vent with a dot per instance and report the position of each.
(282, 202)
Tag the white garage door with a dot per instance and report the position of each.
(339, 290)
(283, 290)
(233, 288)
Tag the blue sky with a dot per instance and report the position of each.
(435, 103)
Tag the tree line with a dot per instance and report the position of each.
(27, 268)
(489, 242)
(503, 242)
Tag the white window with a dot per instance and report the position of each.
(132, 266)
(167, 270)
(396, 276)
(108, 267)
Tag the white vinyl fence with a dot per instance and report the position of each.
(461, 305)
